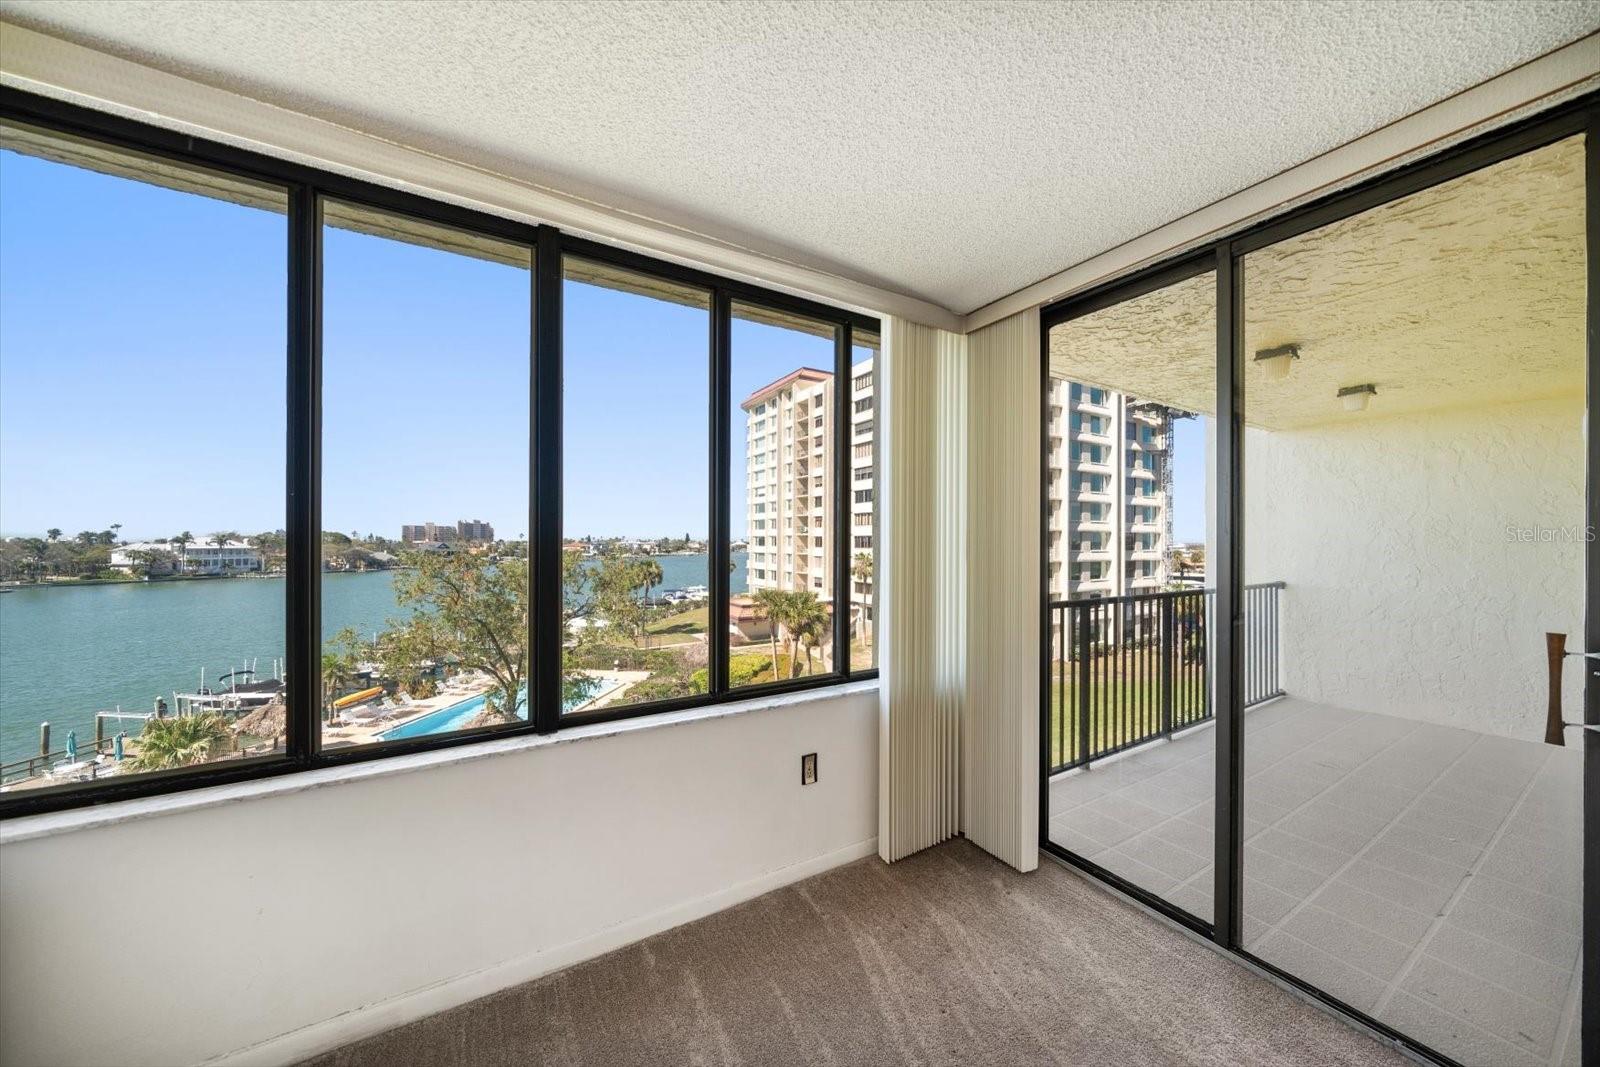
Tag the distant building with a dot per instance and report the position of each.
(433, 531)
(435, 547)
(474, 530)
(1109, 486)
(788, 450)
(197, 557)
(790, 442)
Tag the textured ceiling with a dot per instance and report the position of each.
(1468, 293)
(951, 151)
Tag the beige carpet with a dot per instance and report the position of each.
(948, 957)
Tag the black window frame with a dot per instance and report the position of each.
(308, 188)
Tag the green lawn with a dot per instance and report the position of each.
(688, 623)
(1121, 709)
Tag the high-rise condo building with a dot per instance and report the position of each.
(1109, 492)
(789, 459)
(789, 449)
(474, 530)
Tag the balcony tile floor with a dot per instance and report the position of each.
(1427, 875)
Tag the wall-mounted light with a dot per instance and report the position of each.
(1355, 397)
(1275, 362)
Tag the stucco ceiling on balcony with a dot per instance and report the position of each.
(953, 151)
(1468, 293)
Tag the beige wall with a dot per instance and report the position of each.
(1409, 591)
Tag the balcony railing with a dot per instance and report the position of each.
(1131, 669)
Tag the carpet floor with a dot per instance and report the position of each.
(948, 957)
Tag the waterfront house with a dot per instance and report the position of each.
(197, 557)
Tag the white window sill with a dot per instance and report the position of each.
(33, 827)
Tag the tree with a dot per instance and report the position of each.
(180, 742)
(339, 659)
(222, 537)
(469, 612)
(806, 615)
(116, 528)
(183, 541)
(615, 587)
(86, 538)
(774, 604)
(649, 574)
(861, 570)
(54, 534)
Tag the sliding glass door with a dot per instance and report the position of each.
(1131, 748)
(1316, 651)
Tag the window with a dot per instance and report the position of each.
(407, 651)
(505, 447)
(863, 602)
(142, 458)
(635, 463)
(780, 625)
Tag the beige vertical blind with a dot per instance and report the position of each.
(1000, 724)
(923, 523)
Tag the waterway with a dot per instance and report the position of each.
(67, 652)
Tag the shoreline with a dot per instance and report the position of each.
(80, 583)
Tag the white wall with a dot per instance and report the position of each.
(187, 936)
(1408, 592)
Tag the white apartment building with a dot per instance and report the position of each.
(789, 446)
(1109, 492)
(196, 557)
(789, 508)
(863, 447)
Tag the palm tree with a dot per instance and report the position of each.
(54, 534)
(116, 528)
(183, 541)
(810, 637)
(645, 574)
(774, 604)
(861, 570)
(180, 742)
(222, 537)
(649, 572)
(806, 615)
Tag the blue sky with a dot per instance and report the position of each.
(143, 358)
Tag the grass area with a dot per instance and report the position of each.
(1122, 709)
(693, 622)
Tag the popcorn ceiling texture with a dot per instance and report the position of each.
(1468, 293)
(951, 151)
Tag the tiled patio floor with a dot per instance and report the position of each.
(1427, 875)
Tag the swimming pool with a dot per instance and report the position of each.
(457, 716)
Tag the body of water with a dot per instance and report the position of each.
(67, 652)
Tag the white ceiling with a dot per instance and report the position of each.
(950, 151)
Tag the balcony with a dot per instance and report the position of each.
(1363, 831)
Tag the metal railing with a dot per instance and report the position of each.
(1130, 669)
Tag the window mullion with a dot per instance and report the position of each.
(303, 543)
(544, 502)
(718, 552)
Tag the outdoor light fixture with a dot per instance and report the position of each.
(1275, 362)
(1355, 397)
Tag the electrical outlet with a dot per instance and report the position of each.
(808, 769)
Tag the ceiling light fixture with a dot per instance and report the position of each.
(1355, 397)
(1275, 362)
